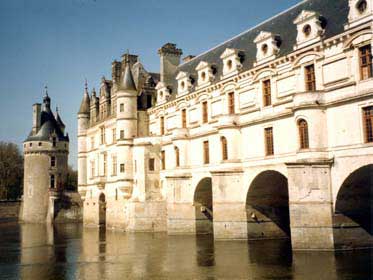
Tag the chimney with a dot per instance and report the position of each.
(170, 60)
(36, 117)
(188, 58)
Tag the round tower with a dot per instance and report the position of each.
(83, 124)
(45, 164)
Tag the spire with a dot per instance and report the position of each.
(84, 106)
(59, 120)
(128, 82)
(46, 99)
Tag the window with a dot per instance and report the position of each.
(231, 103)
(114, 167)
(30, 145)
(307, 30)
(267, 99)
(114, 136)
(102, 135)
(40, 144)
(121, 134)
(203, 76)
(303, 134)
(206, 152)
(105, 163)
(53, 161)
(122, 168)
(121, 107)
(177, 157)
(310, 78)
(368, 124)
(116, 194)
(268, 133)
(52, 182)
(54, 141)
(182, 85)
(224, 148)
(265, 49)
(163, 159)
(365, 62)
(229, 64)
(93, 171)
(183, 118)
(161, 120)
(362, 6)
(151, 164)
(205, 117)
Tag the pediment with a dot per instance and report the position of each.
(202, 65)
(181, 75)
(160, 85)
(228, 52)
(304, 15)
(263, 35)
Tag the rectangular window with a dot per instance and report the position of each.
(102, 135)
(206, 152)
(121, 107)
(368, 124)
(310, 78)
(177, 157)
(183, 118)
(268, 134)
(163, 159)
(231, 103)
(93, 168)
(205, 116)
(151, 164)
(122, 168)
(52, 182)
(114, 167)
(161, 124)
(53, 161)
(105, 164)
(365, 58)
(121, 134)
(267, 99)
(114, 132)
(54, 142)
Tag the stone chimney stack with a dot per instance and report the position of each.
(36, 117)
(170, 60)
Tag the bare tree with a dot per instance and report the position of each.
(11, 171)
(72, 179)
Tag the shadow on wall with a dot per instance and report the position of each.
(68, 208)
(352, 220)
(203, 207)
(267, 207)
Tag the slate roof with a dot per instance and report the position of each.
(334, 11)
(128, 83)
(48, 126)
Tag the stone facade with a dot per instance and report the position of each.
(268, 135)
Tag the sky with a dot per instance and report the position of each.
(60, 43)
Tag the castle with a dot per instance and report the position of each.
(267, 135)
(46, 149)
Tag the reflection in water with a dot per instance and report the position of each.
(71, 252)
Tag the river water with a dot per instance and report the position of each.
(73, 252)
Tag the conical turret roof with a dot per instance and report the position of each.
(84, 106)
(128, 82)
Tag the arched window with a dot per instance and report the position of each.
(177, 156)
(224, 148)
(303, 134)
(116, 194)
(52, 182)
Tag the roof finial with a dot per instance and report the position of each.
(46, 90)
(85, 84)
(128, 56)
(57, 109)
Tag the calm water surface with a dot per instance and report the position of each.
(73, 252)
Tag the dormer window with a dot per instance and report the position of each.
(310, 26)
(163, 92)
(232, 61)
(359, 12)
(205, 72)
(268, 46)
(185, 82)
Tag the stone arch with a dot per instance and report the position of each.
(203, 205)
(352, 219)
(267, 206)
(102, 209)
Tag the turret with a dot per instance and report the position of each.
(83, 124)
(46, 152)
(94, 107)
(170, 60)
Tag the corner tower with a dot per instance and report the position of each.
(46, 152)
